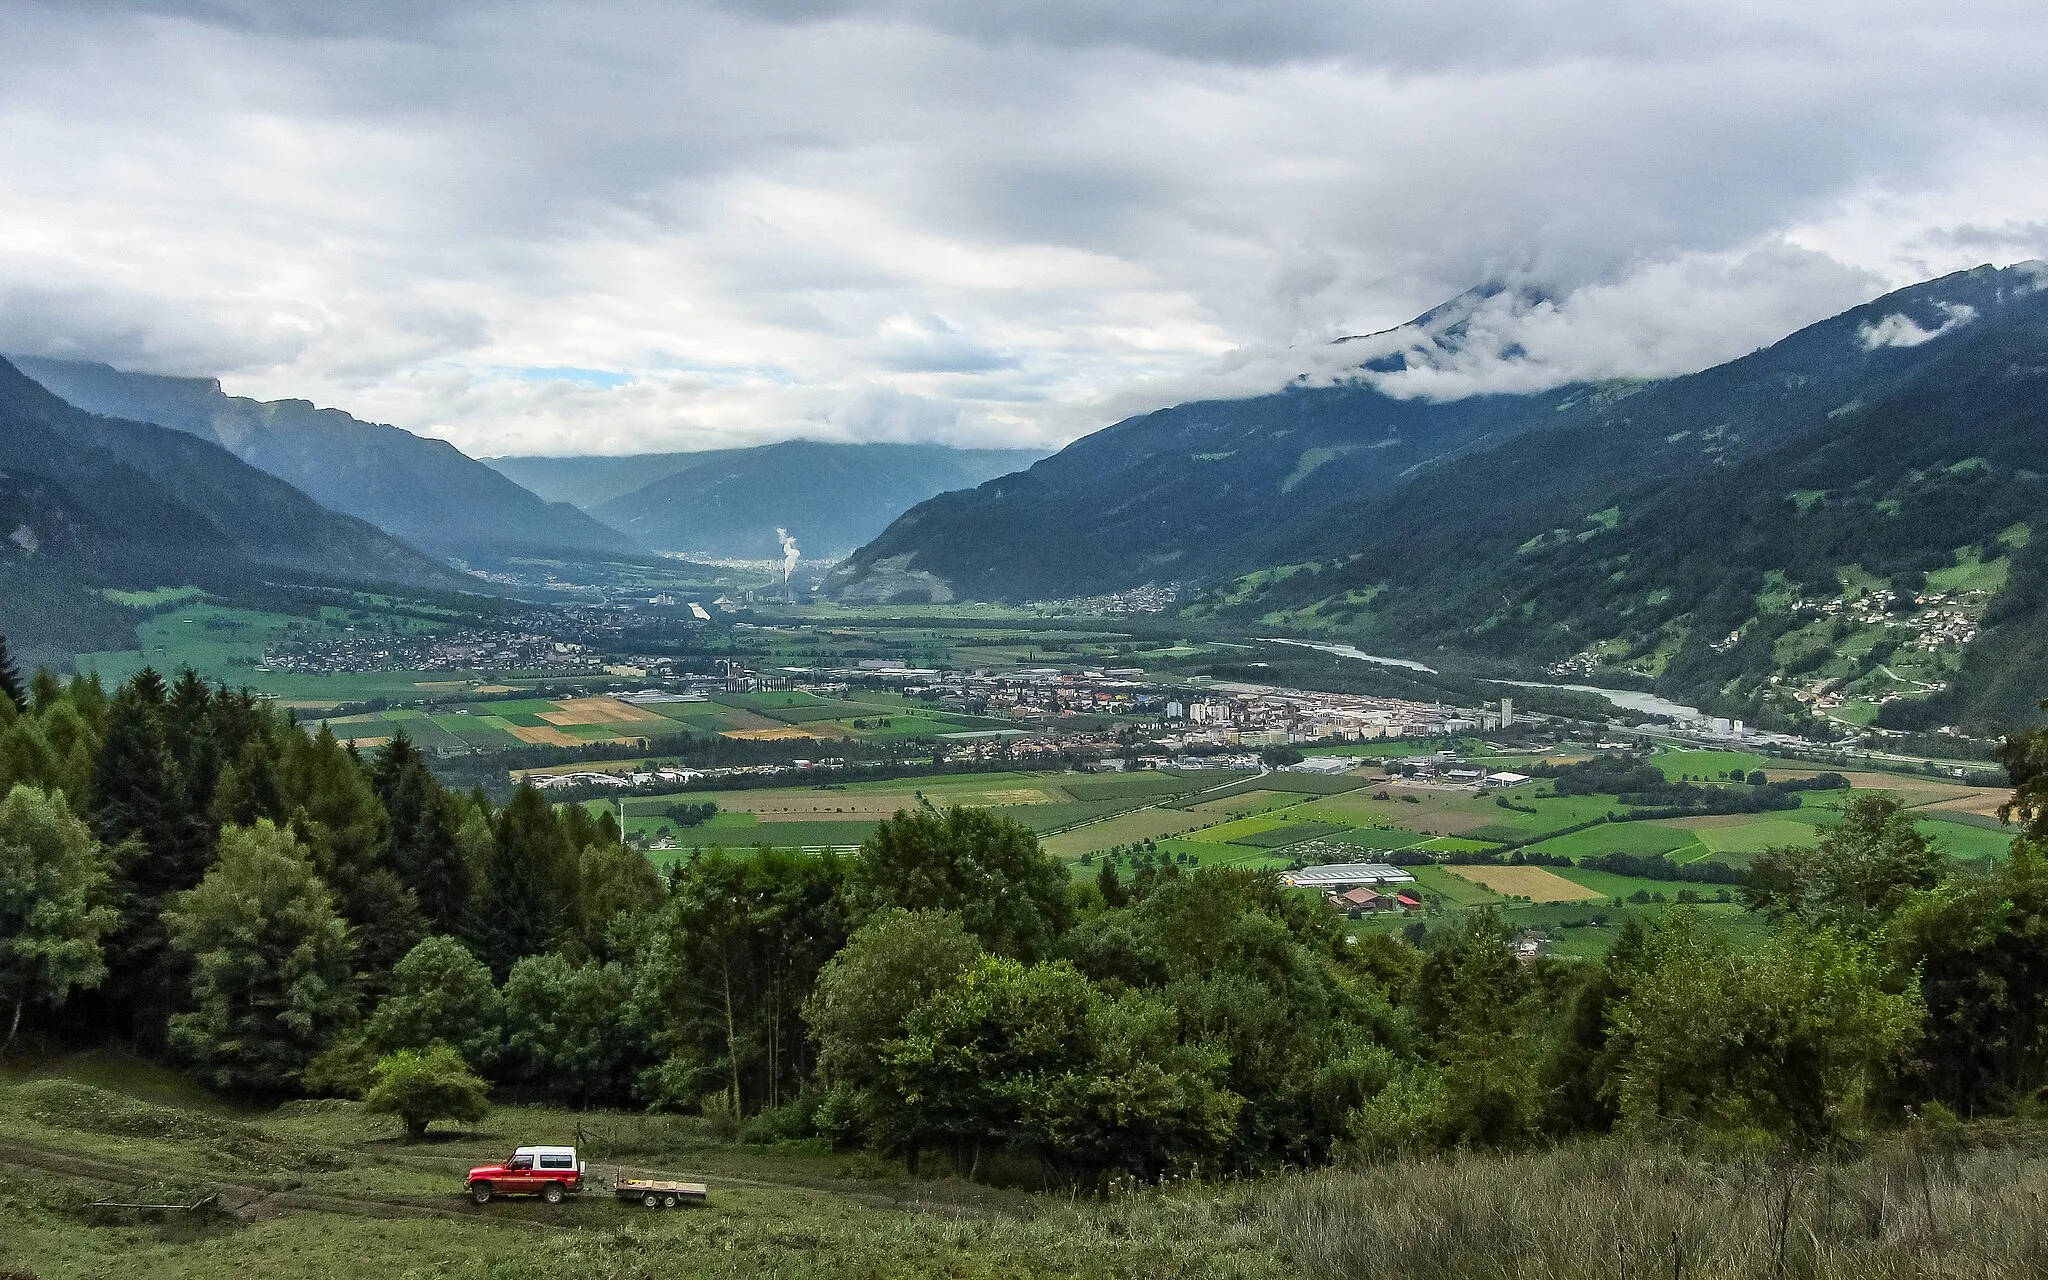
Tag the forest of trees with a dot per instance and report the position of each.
(188, 873)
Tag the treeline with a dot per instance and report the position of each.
(1644, 788)
(185, 869)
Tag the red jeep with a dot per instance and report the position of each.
(547, 1172)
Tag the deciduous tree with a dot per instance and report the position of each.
(53, 881)
(566, 1028)
(987, 868)
(440, 993)
(272, 964)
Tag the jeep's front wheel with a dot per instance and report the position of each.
(552, 1193)
(480, 1192)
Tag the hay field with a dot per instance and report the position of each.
(600, 711)
(1440, 813)
(1910, 790)
(1533, 883)
(543, 735)
(1984, 801)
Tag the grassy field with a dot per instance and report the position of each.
(1609, 885)
(227, 645)
(316, 1189)
(1710, 765)
(1624, 837)
(1129, 828)
(1459, 890)
(1290, 834)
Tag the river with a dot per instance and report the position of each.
(1648, 704)
(1347, 651)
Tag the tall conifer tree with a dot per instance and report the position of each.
(421, 847)
(522, 906)
(10, 680)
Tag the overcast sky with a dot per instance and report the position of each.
(607, 228)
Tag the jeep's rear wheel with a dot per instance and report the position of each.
(651, 1200)
(480, 1192)
(552, 1193)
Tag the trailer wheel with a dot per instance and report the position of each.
(480, 1192)
(669, 1201)
(651, 1200)
(552, 1193)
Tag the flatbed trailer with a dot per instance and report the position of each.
(660, 1193)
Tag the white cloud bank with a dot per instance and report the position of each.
(542, 227)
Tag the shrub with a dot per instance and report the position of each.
(422, 1086)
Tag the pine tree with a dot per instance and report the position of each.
(10, 680)
(332, 804)
(139, 812)
(131, 779)
(421, 847)
(521, 908)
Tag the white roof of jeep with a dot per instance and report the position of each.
(537, 1152)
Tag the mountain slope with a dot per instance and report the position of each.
(1192, 492)
(422, 490)
(1174, 496)
(729, 502)
(590, 482)
(1824, 528)
(89, 502)
(1212, 489)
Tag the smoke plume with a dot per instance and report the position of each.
(790, 555)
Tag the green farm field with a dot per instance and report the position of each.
(1454, 888)
(1706, 764)
(227, 646)
(1129, 828)
(1623, 837)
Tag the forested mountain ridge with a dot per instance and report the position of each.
(1839, 524)
(729, 502)
(423, 490)
(1547, 538)
(1183, 494)
(1212, 489)
(88, 502)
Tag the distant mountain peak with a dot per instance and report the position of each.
(1474, 323)
(417, 488)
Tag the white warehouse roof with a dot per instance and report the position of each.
(1345, 874)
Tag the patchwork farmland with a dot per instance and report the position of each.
(1461, 844)
(583, 721)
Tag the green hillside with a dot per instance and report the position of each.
(89, 503)
(1868, 560)
(1826, 533)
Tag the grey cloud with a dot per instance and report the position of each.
(1109, 205)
